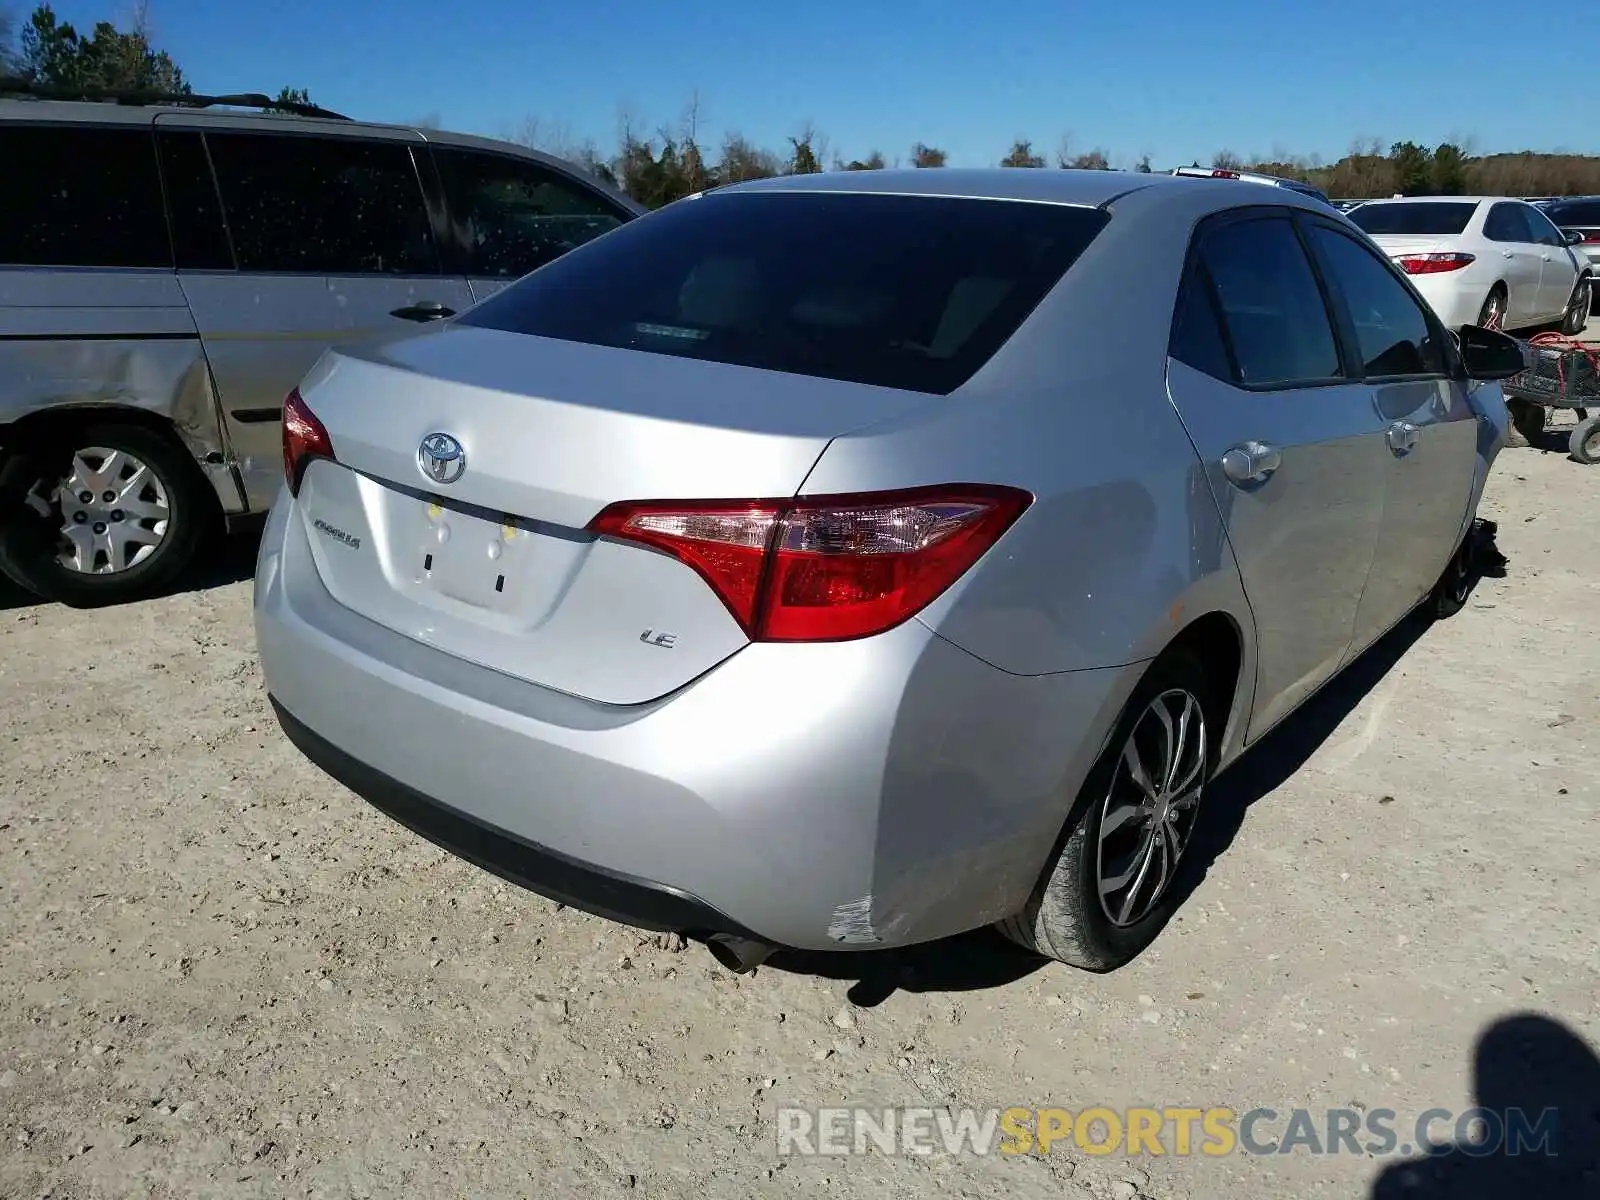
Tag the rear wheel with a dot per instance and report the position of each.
(101, 514)
(1450, 594)
(1577, 315)
(1493, 313)
(1108, 890)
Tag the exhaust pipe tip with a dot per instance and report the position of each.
(739, 955)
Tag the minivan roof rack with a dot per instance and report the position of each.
(13, 85)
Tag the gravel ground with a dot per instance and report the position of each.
(225, 976)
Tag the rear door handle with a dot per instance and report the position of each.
(1507, 254)
(1402, 437)
(1251, 462)
(423, 310)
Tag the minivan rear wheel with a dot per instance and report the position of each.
(1109, 888)
(99, 514)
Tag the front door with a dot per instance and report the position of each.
(1561, 265)
(1292, 446)
(318, 239)
(1430, 429)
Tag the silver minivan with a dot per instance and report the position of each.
(169, 273)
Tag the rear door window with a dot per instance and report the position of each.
(913, 292)
(326, 206)
(1393, 333)
(1508, 223)
(81, 197)
(513, 216)
(1272, 308)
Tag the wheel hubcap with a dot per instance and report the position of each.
(1149, 811)
(114, 511)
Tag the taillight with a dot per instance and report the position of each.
(1433, 264)
(1591, 237)
(304, 439)
(825, 568)
(1219, 173)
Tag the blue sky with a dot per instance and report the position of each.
(1174, 79)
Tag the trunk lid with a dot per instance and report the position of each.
(1396, 245)
(496, 567)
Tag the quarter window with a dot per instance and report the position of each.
(333, 206)
(1197, 332)
(513, 216)
(81, 197)
(1393, 334)
(1272, 309)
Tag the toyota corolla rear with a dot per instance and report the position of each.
(548, 586)
(1434, 242)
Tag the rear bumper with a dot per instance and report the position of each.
(848, 795)
(538, 868)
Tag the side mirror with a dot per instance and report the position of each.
(1572, 237)
(1488, 354)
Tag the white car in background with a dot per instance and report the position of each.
(1491, 261)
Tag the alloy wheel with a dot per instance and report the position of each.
(1148, 814)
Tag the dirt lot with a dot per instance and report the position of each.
(225, 976)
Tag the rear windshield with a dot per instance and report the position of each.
(912, 292)
(1431, 219)
(1574, 212)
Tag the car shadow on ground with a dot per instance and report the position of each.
(1537, 1087)
(226, 560)
(983, 959)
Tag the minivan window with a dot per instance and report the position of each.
(1434, 218)
(913, 292)
(81, 197)
(1272, 308)
(514, 216)
(333, 206)
(1393, 334)
(199, 237)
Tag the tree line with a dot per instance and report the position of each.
(674, 161)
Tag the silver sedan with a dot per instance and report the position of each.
(850, 560)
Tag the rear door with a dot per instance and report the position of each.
(511, 215)
(324, 238)
(1430, 429)
(1293, 447)
(1561, 264)
(1521, 262)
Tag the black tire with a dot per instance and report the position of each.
(1577, 314)
(1065, 918)
(30, 541)
(1528, 419)
(1449, 595)
(1584, 444)
(1497, 295)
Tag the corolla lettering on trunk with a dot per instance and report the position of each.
(338, 535)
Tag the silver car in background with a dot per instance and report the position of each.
(168, 272)
(849, 560)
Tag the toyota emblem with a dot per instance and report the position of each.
(441, 458)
